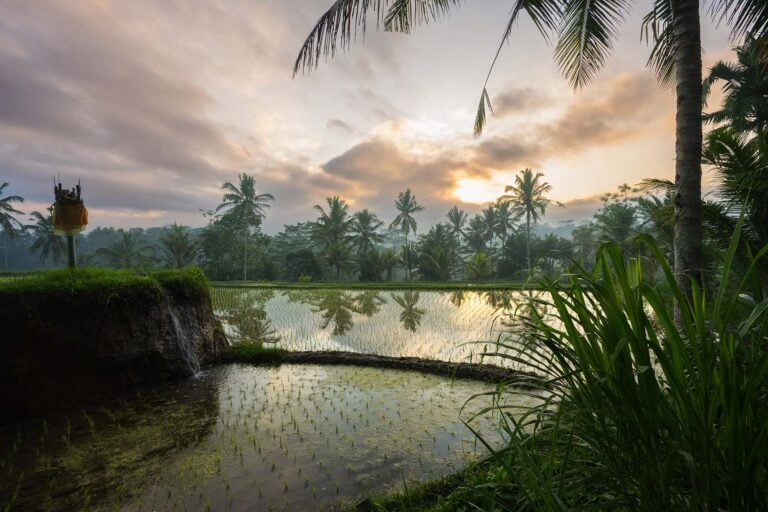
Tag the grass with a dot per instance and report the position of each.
(102, 283)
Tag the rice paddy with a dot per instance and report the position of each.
(245, 438)
(443, 325)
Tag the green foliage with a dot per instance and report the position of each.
(9, 225)
(179, 246)
(301, 264)
(46, 242)
(638, 413)
(479, 267)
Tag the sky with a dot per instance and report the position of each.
(153, 105)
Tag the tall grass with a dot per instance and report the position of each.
(640, 413)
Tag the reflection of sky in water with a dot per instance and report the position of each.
(428, 324)
(239, 437)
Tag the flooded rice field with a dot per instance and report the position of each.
(246, 438)
(444, 325)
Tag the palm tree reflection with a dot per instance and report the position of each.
(411, 315)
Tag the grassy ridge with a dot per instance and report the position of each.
(100, 286)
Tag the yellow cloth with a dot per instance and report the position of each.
(69, 218)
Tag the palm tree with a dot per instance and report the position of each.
(331, 230)
(8, 222)
(364, 228)
(585, 32)
(456, 221)
(745, 88)
(505, 218)
(527, 200)
(45, 241)
(247, 207)
(126, 252)
(179, 246)
(479, 266)
(407, 207)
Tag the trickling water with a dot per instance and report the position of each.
(184, 340)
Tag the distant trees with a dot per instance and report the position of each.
(127, 252)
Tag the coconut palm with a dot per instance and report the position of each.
(505, 220)
(45, 241)
(126, 252)
(364, 231)
(745, 88)
(179, 246)
(526, 198)
(456, 221)
(8, 223)
(585, 31)
(244, 204)
(407, 207)
(479, 266)
(331, 232)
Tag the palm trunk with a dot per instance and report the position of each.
(688, 229)
(528, 238)
(407, 261)
(245, 255)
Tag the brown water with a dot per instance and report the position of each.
(245, 438)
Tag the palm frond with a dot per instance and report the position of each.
(748, 18)
(587, 34)
(657, 28)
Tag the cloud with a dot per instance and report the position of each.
(516, 100)
(338, 124)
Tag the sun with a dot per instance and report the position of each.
(477, 191)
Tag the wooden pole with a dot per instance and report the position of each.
(71, 252)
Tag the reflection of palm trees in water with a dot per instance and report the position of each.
(411, 315)
(369, 303)
(457, 298)
(337, 306)
(247, 315)
(499, 299)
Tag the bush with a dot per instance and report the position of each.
(637, 413)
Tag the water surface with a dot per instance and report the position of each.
(245, 438)
(444, 325)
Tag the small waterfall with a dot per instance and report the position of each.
(183, 339)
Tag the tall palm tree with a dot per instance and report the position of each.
(364, 231)
(407, 207)
(585, 31)
(8, 223)
(179, 246)
(45, 241)
(505, 219)
(527, 200)
(242, 202)
(331, 232)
